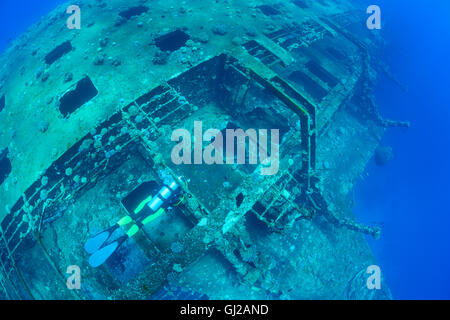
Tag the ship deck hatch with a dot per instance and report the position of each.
(2, 102)
(314, 89)
(5, 165)
(268, 10)
(172, 41)
(74, 99)
(323, 74)
(58, 52)
(133, 12)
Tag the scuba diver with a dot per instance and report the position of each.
(146, 207)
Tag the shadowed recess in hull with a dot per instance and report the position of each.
(5, 166)
(2, 102)
(72, 100)
(133, 12)
(309, 85)
(172, 41)
(321, 73)
(58, 52)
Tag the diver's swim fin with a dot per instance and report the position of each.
(97, 241)
(100, 256)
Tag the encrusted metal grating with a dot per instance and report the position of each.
(262, 53)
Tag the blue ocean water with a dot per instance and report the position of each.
(410, 196)
(17, 16)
